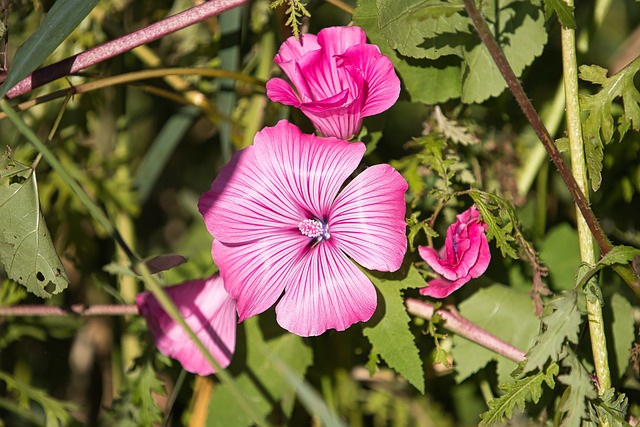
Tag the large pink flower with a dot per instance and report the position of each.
(338, 79)
(464, 256)
(281, 224)
(208, 310)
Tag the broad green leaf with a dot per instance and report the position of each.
(516, 393)
(259, 380)
(26, 248)
(580, 387)
(560, 252)
(388, 330)
(505, 312)
(623, 331)
(426, 81)
(560, 324)
(63, 17)
(562, 10)
(598, 128)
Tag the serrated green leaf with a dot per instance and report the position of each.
(505, 312)
(26, 248)
(562, 323)
(580, 387)
(609, 410)
(516, 394)
(63, 17)
(259, 380)
(618, 255)
(388, 330)
(426, 81)
(562, 10)
(499, 224)
(623, 331)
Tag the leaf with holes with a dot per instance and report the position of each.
(26, 248)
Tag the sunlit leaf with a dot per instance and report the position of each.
(26, 248)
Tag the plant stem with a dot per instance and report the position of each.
(461, 326)
(78, 62)
(73, 310)
(578, 167)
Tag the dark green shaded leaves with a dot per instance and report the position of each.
(26, 248)
(516, 393)
(63, 17)
(609, 409)
(579, 387)
(560, 252)
(388, 330)
(623, 331)
(617, 255)
(562, 10)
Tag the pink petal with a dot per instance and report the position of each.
(367, 220)
(207, 309)
(442, 288)
(284, 178)
(254, 273)
(280, 91)
(436, 263)
(484, 255)
(382, 83)
(293, 50)
(336, 40)
(325, 291)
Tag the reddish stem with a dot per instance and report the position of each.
(76, 309)
(78, 62)
(461, 326)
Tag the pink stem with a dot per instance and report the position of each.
(122, 44)
(461, 326)
(76, 309)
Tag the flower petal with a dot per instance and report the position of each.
(382, 83)
(325, 291)
(293, 50)
(367, 219)
(442, 288)
(207, 309)
(254, 273)
(280, 91)
(484, 254)
(336, 40)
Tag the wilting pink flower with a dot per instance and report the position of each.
(338, 79)
(281, 224)
(208, 310)
(465, 255)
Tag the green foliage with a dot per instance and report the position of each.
(296, 10)
(504, 312)
(609, 409)
(26, 248)
(437, 44)
(501, 221)
(622, 327)
(63, 17)
(562, 10)
(56, 413)
(388, 329)
(617, 255)
(560, 252)
(257, 378)
(516, 393)
(598, 128)
(579, 388)
(561, 323)
(415, 227)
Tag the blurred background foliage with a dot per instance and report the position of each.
(146, 155)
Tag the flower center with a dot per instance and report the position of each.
(314, 229)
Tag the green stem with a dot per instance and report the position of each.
(579, 171)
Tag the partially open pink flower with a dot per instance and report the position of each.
(208, 310)
(465, 255)
(282, 224)
(338, 79)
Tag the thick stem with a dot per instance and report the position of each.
(74, 310)
(461, 326)
(123, 44)
(578, 167)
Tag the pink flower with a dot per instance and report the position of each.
(338, 77)
(465, 255)
(207, 309)
(282, 224)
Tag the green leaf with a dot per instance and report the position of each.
(563, 11)
(580, 387)
(561, 322)
(26, 248)
(516, 394)
(618, 255)
(623, 330)
(598, 127)
(426, 81)
(388, 330)
(500, 219)
(505, 312)
(609, 410)
(440, 37)
(63, 17)
(259, 380)
(560, 252)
